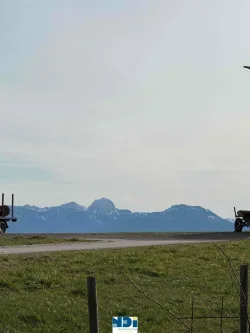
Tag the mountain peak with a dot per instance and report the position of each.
(185, 207)
(103, 204)
(72, 205)
(31, 207)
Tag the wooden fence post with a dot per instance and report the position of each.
(92, 305)
(244, 299)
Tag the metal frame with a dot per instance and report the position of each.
(6, 217)
(241, 221)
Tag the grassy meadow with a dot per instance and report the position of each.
(47, 293)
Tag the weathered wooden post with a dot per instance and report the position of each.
(244, 299)
(92, 305)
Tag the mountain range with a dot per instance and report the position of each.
(102, 216)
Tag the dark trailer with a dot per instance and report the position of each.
(242, 219)
(5, 216)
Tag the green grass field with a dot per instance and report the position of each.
(7, 240)
(47, 293)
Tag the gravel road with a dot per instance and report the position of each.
(119, 240)
(100, 244)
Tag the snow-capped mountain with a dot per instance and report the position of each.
(103, 216)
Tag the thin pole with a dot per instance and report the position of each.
(92, 305)
(221, 313)
(12, 206)
(192, 322)
(2, 204)
(244, 299)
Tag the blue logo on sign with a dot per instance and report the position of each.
(125, 322)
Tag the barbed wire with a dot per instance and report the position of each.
(223, 313)
(237, 279)
(152, 299)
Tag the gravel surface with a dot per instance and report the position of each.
(147, 235)
(119, 240)
(102, 244)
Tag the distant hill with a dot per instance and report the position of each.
(103, 216)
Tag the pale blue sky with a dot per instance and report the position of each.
(143, 102)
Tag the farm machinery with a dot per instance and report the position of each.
(242, 219)
(5, 216)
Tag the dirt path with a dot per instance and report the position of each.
(101, 244)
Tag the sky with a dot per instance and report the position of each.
(139, 101)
